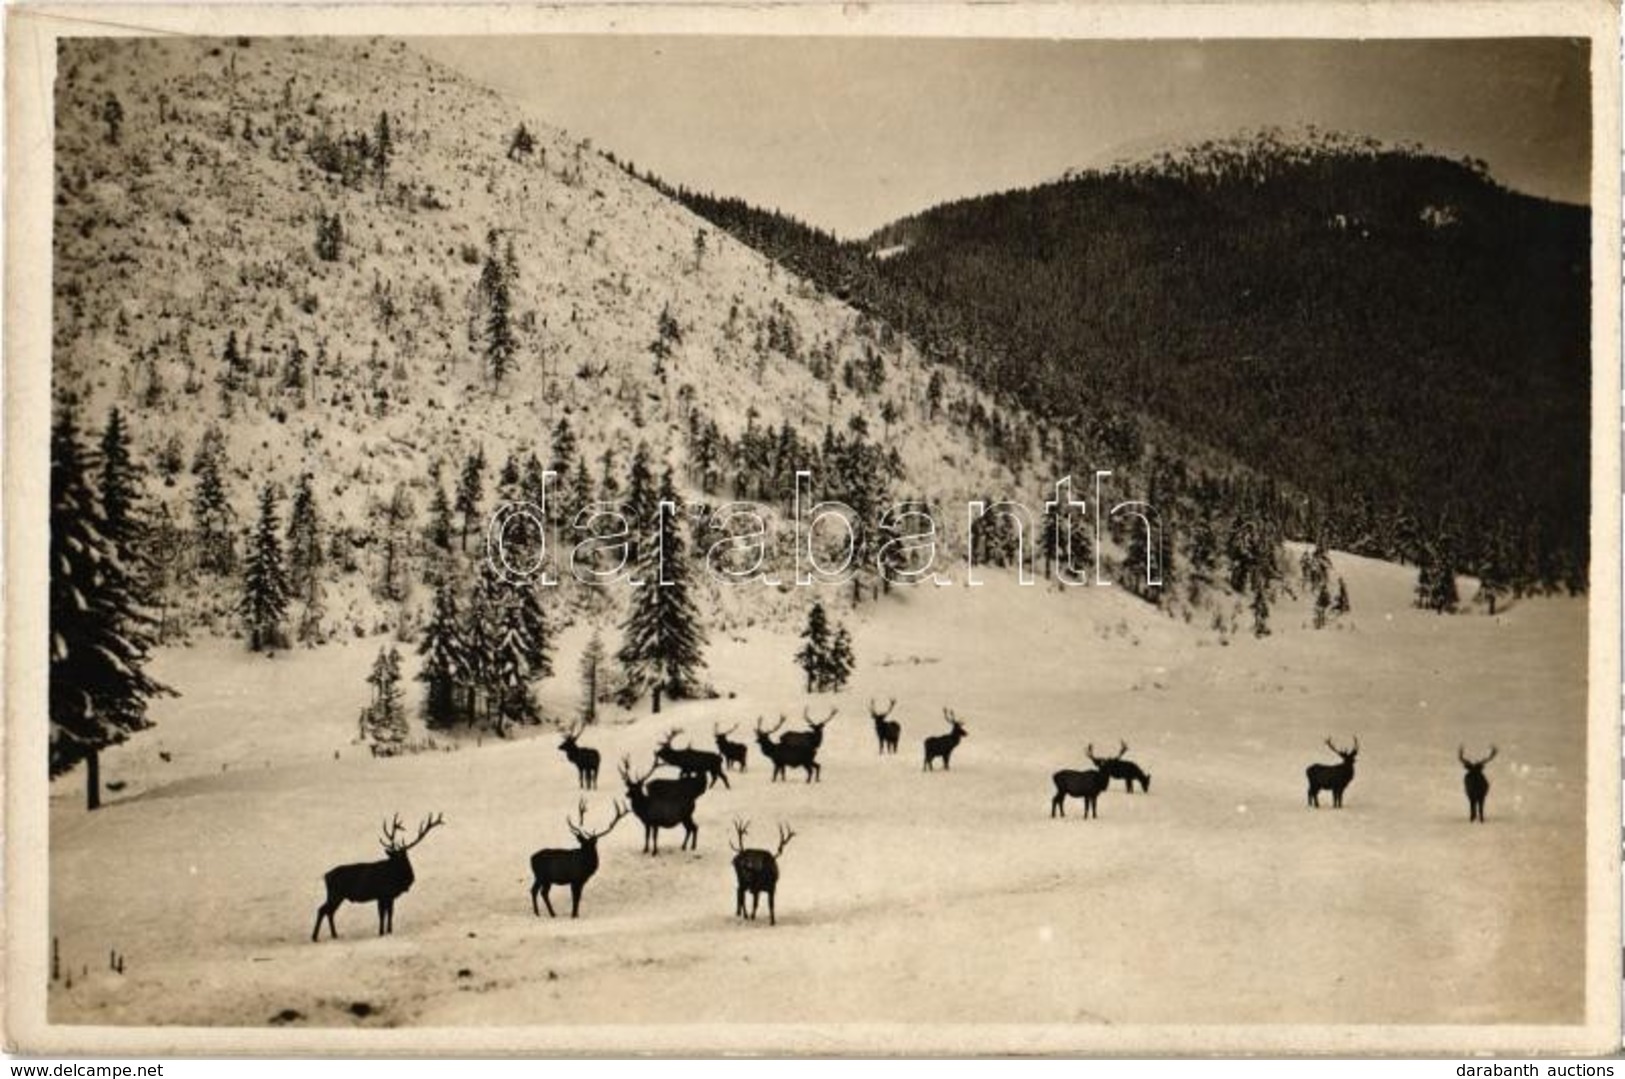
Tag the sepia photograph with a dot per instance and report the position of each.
(815, 530)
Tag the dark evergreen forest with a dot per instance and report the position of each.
(1390, 333)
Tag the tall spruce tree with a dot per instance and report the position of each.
(304, 539)
(813, 658)
(841, 660)
(265, 581)
(500, 346)
(471, 491)
(664, 643)
(592, 667)
(444, 661)
(383, 723)
(211, 512)
(100, 637)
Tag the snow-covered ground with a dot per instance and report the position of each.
(906, 897)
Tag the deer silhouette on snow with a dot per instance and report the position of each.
(1332, 777)
(368, 882)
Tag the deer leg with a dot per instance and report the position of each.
(739, 901)
(771, 918)
(535, 889)
(546, 888)
(325, 910)
(575, 898)
(755, 903)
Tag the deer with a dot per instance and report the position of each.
(584, 758)
(368, 882)
(1332, 777)
(692, 762)
(943, 745)
(1478, 787)
(572, 867)
(664, 804)
(757, 871)
(786, 754)
(733, 753)
(1118, 768)
(814, 735)
(887, 732)
(1086, 785)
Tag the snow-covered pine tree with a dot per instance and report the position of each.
(500, 347)
(304, 539)
(383, 147)
(592, 665)
(514, 670)
(813, 657)
(124, 523)
(664, 643)
(384, 721)
(444, 666)
(211, 512)
(265, 581)
(841, 660)
(100, 637)
(439, 531)
(481, 635)
(639, 505)
(471, 491)
(1261, 608)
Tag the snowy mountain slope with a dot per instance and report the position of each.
(202, 221)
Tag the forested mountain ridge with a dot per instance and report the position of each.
(1388, 331)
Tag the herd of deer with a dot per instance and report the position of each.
(669, 803)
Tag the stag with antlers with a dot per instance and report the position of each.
(1332, 777)
(369, 882)
(1118, 768)
(662, 804)
(814, 734)
(584, 758)
(757, 871)
(887, 732)
(1085, 785)
(787, 754)
(1477, 784)
(733, 753)
(572, 867)
(943, 745)
(690, 761)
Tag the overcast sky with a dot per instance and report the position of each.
(850, 133)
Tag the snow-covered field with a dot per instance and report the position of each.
(906, 897)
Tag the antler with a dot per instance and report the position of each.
(429, 824)
(785, 835)
(806, 717)
(1461, 752)
(672, 735)
(581, 812)
(620, 811)
(626, 773)
(740, 827)
(1122, 750)
(391, 832)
